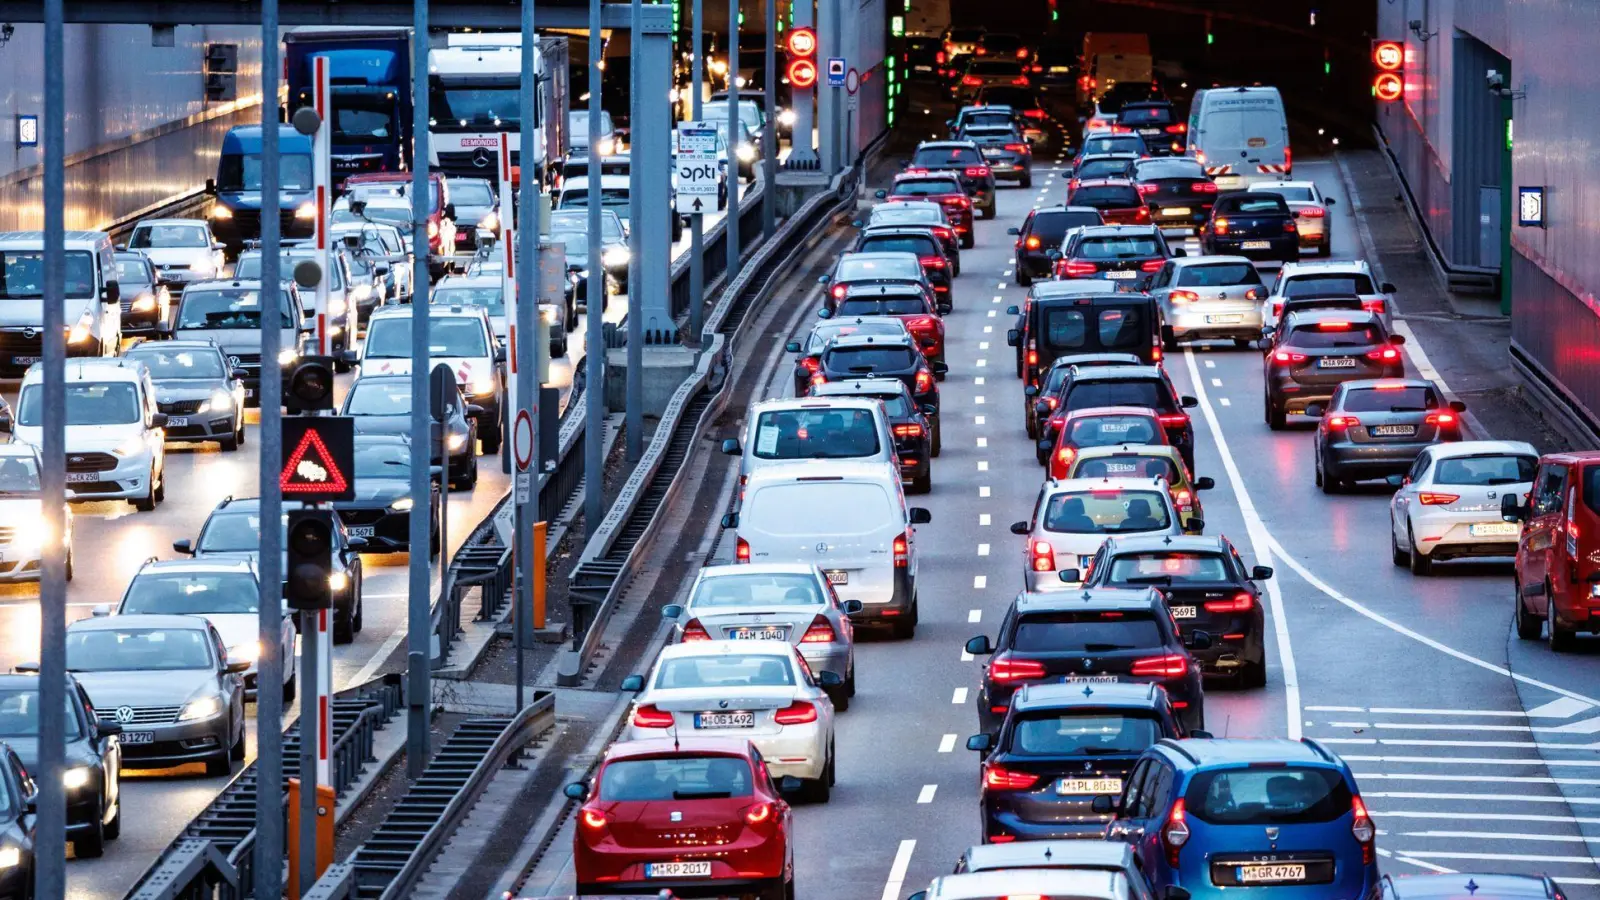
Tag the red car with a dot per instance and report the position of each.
(441, 214)
(944, 189)
(1118, 200)
(907, 301)
(1558, 554)
(697, 815)
(1102, 426)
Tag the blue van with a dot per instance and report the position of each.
(236, 214)
(1215, 818)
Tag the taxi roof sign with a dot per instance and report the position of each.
(320, 466)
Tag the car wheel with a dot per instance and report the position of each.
(936, 442)
(1400, 557)
(850, 680)
(1169, 343)
(356, 623)
(1277, 419)
(148, 502)
(343, 632)
(1024, 277)
(291, 687)
(1253, 674)
(840, 698)
(160, 482)
(92, 845)
(114, 827)
(955, 265)
(1528, 625)
(433, 544)
(229, 443)
(1027, 180)
(968, 240)
(220, 765)
(1421, 563)
(238, 433)
(1560, 639)
(490, 440)
(819, 791)
(1243, 343)
(1328, 479)
(922, 484)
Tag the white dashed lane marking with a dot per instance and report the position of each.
(927, 793)
(959, 696)
(947, 743)
(983, 549)
(979, 582)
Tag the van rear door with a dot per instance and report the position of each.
(845, 527)
(1244, 138)
(1121, 324)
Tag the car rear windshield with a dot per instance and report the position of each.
(1014, 97)
(987, 120)
(1084, 733)
(815, 434)
(902, 243)
(1113, 511)
(1117, 328)
(1128, 466)
(854, 268)
(1333, 335)
(1178, 567)
(1268, 795)
(1218, 275)
(1296, 194)
(188, 363)
(1113, 143)
(1086, 631)
(1094, 195)
(725, 670)
(1102, 431)
(678, 778)
(906, 305)
(832, 508)
(1146, 115)
(1117, 246)
(1147, 392)
(1504, 468)
(944, 156)
(822, 334)
(1001, 43)
(19, 718)
(994, 68)
(1253, 204)
(1322, 285)
(1396, 399)
(1051, 227)
(865, 360)
(757, 590)
(966, 35)
(1150, 170)
(925, 187)
(906, 214)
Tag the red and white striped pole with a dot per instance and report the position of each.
(508, 285)
(322, 164)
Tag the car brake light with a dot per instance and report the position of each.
(1343, 422)
(1373, 306)
(939, 57)
(1443, 418)
(1170, 666)
(1386, 354)
(1034, 113)
(924, 381)
(957, 202)
(909, 430)
(1022, 53)
(915, 171)
(1333, 326)
(932, 262)
(1005, 669)
(1017, 148)
(694, 631)
(1171, 419)
(1044, 555)
(1277, 310)
(1200, 157)
(758, 813)
(978, 171)
(796, 713)
(1312, 212)
(593, 819)
(902, 551)
(1033, 242)
(839, 291)
(943, 232)
(1179, 128)
(820, 632)
(998, 778)
(1430, 498)
(651, 716)
(1241, 602)
(1075, 268)
(810, 363)
(980, 51)
(1220, 226)
(1140, 215)
(1204, 187)
(1149, 265)
(1252, 294)
(1096, 123)
(1289, 227)
(1175, 833)
(1020, 80)
(1288, 162)
(1284, 356)
(1147, 189)
(818, 378)
(1033, 357)
(741, 551)
(972, 80)
(1183, 296)
(1361, 827)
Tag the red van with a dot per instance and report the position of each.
(1558, 555)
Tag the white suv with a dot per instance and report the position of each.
(459, 337)
(114, 430)
(1338, 277)
(1074, 516)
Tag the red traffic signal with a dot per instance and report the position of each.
(802, 42)
(802, 73)
(1388, 55)
(1388, 87)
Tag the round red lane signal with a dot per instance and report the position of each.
(802, 73)
(802, 42)
(1387, 87)
(1388, 55)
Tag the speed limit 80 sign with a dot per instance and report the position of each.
(697, 169)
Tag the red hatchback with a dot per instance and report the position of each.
(942, 188)
(1103, 426)
(697, 815)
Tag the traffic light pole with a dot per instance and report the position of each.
(802, 150)
(769, 133)
(634, 392)
(525, 335)
(594, 506)
(731, 229)
(418, 616)
(697, 265)
(313, 630)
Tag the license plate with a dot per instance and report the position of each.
(678, 870)
(1089, 679)
(1485, 529)
(177, 421)
(1175, 211)
(1394, 430)
(249, 392)
(836, 576)
(1184, 612)
(1089, 786)
(1150, 131)
(1083, 561)
(1119, 276)
(362, 531)
(1336, 362)
(1256, 245)
(138, 737)
(743, 719)
(922, 68)
(1262, 874)
(1224, 320)
(24, 360)
(769, 633)
(82, 477)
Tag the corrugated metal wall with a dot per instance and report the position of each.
(1477, 145)
(872, 116)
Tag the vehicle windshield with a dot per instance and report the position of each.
(473, 192)
(491, 297)
(1110, 196)
(133, 274)
(866, 360)
(1051, 227)
(883, 306)
(1001, 43)
(901, 243)
(164, 364)
(398, 216)
(390, 337)
(988, 135)
(88, 403)
(906, 214)
(242, 172)
(19, 718)
(1155, 169)
(1295, 194)
(1387, 399)
(232, 532)
(822, 334)
(362, 114)
(1117, 246)
(1112, 143)
(479, 108)
(1111, 511)
(816, 434)
(1164, 566)
(987, 120)
(925, 187)
(994, 68)
(156, 237)
(249, 266)
(1323, 285)
(578, 197)
(137, 649)
(1219, 275)
(1088, 733)
(192, 593)
(563, 223)
(854, 268)
(1275, 795)
(389, 397)
(19, 475)
(757, 590)
(947, 156)
(1259, 203)
(1149, 393)
(227, 308)
(389, 459)
(1088, 630)
(724, 670)
(578, 124)
(676, 778)
(1101, 431)
(1333, 335)
(1145, 115)
(22, 275)
(1506, 468)
(966, 35)
(1126, 466)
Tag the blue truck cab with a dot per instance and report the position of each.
(369, 72)
(236, 213)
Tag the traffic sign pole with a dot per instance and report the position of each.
(322, 182)
(594, 506)
(525, 353)
(802, 146)
(697, 264)
(418, 610)
(731, 231)
(769, 133)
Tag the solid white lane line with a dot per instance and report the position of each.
(1583, 726)
(959, 696)
(1507, 857)
(1486, 816)
(983, 549)
(1403, 742)
(926, 795)
(1419, 356)
(947, 743)
(1498, 835)
(897, 871)
(974, 615)
(1561, 708)
(1259, 542)
(979, 582)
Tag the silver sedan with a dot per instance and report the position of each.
(788, 602)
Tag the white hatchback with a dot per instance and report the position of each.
(1074, 516)
(1448, 505)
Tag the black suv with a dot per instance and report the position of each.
(1060, 747)
(1177, 191)
(1314, 352)
(1258, 225)
(1206, 585)
(921, 240)
(1007, 152)
(809, 349)
(1039, 401)
(964, 160)
(857, 356)
(911, 424)
(93, 762)
(1157, 123)
(1147, 386)
(1085, 638)
(1042, 232)
(1058, 319)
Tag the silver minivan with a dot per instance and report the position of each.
(782, 431)
(92, 311)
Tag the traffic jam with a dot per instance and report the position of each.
(1051, 361)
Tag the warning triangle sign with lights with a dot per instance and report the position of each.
(315, 468)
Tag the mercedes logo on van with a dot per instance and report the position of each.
(822, 546)
(480, 158)
(124, 714)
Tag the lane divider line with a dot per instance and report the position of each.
(897, 870)
(947, 743)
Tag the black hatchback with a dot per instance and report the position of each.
(1060, 747)
(965, 161)
(1042, 232)
(1178, 192)
(93, 761)
(1257, 225)
(917, 239)
(1314, 352)
(911, 424)
(19, 798)
(857, 356)
(1087, 387)
(1087, 638)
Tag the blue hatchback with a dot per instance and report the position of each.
(1217, 816)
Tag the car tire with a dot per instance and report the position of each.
(356, 622)
(968, 240)
(820, 790)
(1528, 625)
(1559, 639)
(220, 765)
(1327, 479)
(840, 698)
(955, 266)
(148, 502)
(1253, 674)
(1024, 278)
(237, 751)
(69, 564)
(113, 828)
(937, 444)
(1169, 344)
(433, 544)
(1277, 419)
(1027, 180)
(1399, 557)
(905, 629)
(922, 484)
(160, 482)
(489, 440)
(291, 687)
(91, 845)
(343, 631)
(229, 443)
(238, 433)
(1243, 343)
(850, 680)
(1421, 564)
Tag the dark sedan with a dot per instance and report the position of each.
(93, 761)
(381, 404)
(925, 244)
(1122, 253)
(1256, 225)
(1177, 191)
(18, 810)
(381, 512)
(1043, 231)
(809, 360)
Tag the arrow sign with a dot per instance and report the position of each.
(696, 205)
(698, 173)
(322, 461)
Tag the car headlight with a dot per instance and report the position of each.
(249, 651)
(219, 401)
(338, 581)
(287, 356)
(582, 273)
(10, 858)
(456, 442)
(145, 302)
(607, 146)
(360, 292)
(336, 306)
(81, 333)
(786, 117)
(200, 708)
(133, 446)
(74, 778)
(547, 313)
(490, 222)
(747, 153)
(482, 386)
(401, 505)
(433, 229)
(221, 213)
(616, 256)
(203, 267)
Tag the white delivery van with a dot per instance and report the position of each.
(849, 519)
(1240, 135)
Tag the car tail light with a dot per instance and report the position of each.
(796, 713)
(1220, 226)
(939, 57)
(1343, 422)
(810, 363)
(1288, 162)
(1183, 296)
(1361, 827)
(1033, 357)
(651, 716)
(924, 381)
(1204, 187)
(943, 232)
(1277, 310)
(1175, 833)
(593, 819)
(978, 171)
(1182, 498)
(1333, 326)
(1444, 418)
(980, 51)
(694, 631)
(1022, 53)
(1142, 214)
(1430, 498)
(839, 291)
(920, 324)
(1172, 420)
(1033, 242)
(1286, 357)
(820, 632)
(972, 80)
(1241, 602)
(1252, 294)
(1007, 669)
(1170, 666)
(1155, 353)
(908, 431)
(1020, 80)
(1179, 128)
(741, 551)
(1147, 189)
(818, 378)
(1385, 354)
(915, 171)
(931, 262)
(957, 202)
(999, 778)
(1075, 268)
(1373, 306)
(1017, 148)
(902, 550)
(758, 813)
(1149, 265)
(1050, 402)
(1044, 555)
(1289, 227)
(1033, 113)
(1312, 212)
(1200, 157)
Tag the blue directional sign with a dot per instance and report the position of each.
(836, 67)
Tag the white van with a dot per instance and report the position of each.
(849, 519)
(777, 432)
(92, 311)
(1240, 135)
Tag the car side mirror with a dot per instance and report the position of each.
(1198, 640)
(824, 313)
(920, 515)
(1012, 311)
(1397, 339)
(499, 354)
(829, 679)
(26, 668)
(1458, 406)
(576, 791)
(1396, 481)
(1070, 576)
(792, 347)
(350, 356)
(1387, 287)
(1512, 510)
(852, 607)
(671, 611)
(1172, 891)
(731, 447)
(928, 409)
(1195, 525)
(211, 186)
(158, 420)
(473, 410)
(1013, 231)
(1031, 390)
(358, 207)
(1329, 201)
(183, 545)
(356, 543)
(880, 194)
(112, 293)
(980, 646)
(1046, 446)
(237, 668)
(1188, 402)
(108, 729)
(1179, 253)
(980, 743)
(938, 367)
(1105, 805)
(239, 374)
(730, 520)
(1315, 410)
(100, 610)
(633, 684)
(1019, 527)
(449, 210)
(1260, 573)
(919, 895)
(1205, 483)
